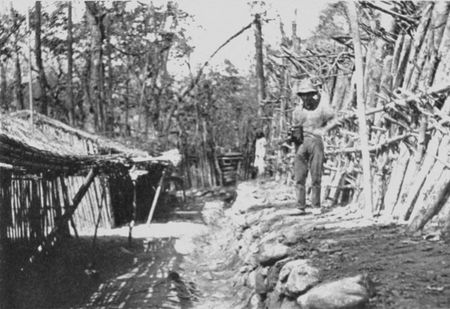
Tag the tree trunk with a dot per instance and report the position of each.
(89, 119)
(18, 94)
(261, 84)
(43, 85)
(363, 134)
(95, 19)
(70, 65)
(110, 117)
(3, 88)
(125, 131)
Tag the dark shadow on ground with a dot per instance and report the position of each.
(410, 272)
(114, 275)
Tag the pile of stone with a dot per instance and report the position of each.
(275, 256)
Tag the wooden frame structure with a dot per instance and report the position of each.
(55, 178)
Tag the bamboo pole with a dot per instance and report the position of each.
(367, 185)
(408, 201)
(436, 190)
(418, 41)
(396, 180)
(398, 71)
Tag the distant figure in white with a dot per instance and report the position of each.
(260, 153)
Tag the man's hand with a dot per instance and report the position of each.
(332, 124)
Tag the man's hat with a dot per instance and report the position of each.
(305, 86)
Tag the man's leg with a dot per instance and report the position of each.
(316, 165)
(300, 172)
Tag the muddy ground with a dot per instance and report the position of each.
(186, 261)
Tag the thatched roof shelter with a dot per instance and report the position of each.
(49, 147)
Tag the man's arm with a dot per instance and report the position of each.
(331, 120)
(332, 124)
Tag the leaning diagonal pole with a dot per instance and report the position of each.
(51, 238)
(155, 198)
(363, 135)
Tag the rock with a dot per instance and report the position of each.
(347, 293)
(296, 277)
(270, 252)
(289, 304)
(212, 211)
(275, 299)
(293, 236)
(250, 219)
(245, 269)
(260, 282)
(249, 255)
(256, 302)
(251, 280)
(274, 272)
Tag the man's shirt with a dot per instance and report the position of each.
(314, 121)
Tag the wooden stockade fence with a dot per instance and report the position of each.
(406, 92)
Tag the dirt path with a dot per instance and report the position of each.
(115, 274)
(204, 260)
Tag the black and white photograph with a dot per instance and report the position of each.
(224, 154)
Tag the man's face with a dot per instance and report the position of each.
(310, 100)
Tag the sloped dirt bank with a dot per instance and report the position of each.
(244, 259)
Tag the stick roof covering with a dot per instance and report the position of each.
(36, 150)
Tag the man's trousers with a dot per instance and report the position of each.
(309, 156)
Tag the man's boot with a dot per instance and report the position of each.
(315, 196)
(301, 197)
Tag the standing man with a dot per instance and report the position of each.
(314, 116)
(260, 153)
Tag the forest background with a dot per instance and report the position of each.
(129, 70)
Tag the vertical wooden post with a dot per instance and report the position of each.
(363, 134)
(259, 64)
(133, 213)
(70, 64)
(5, 203)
